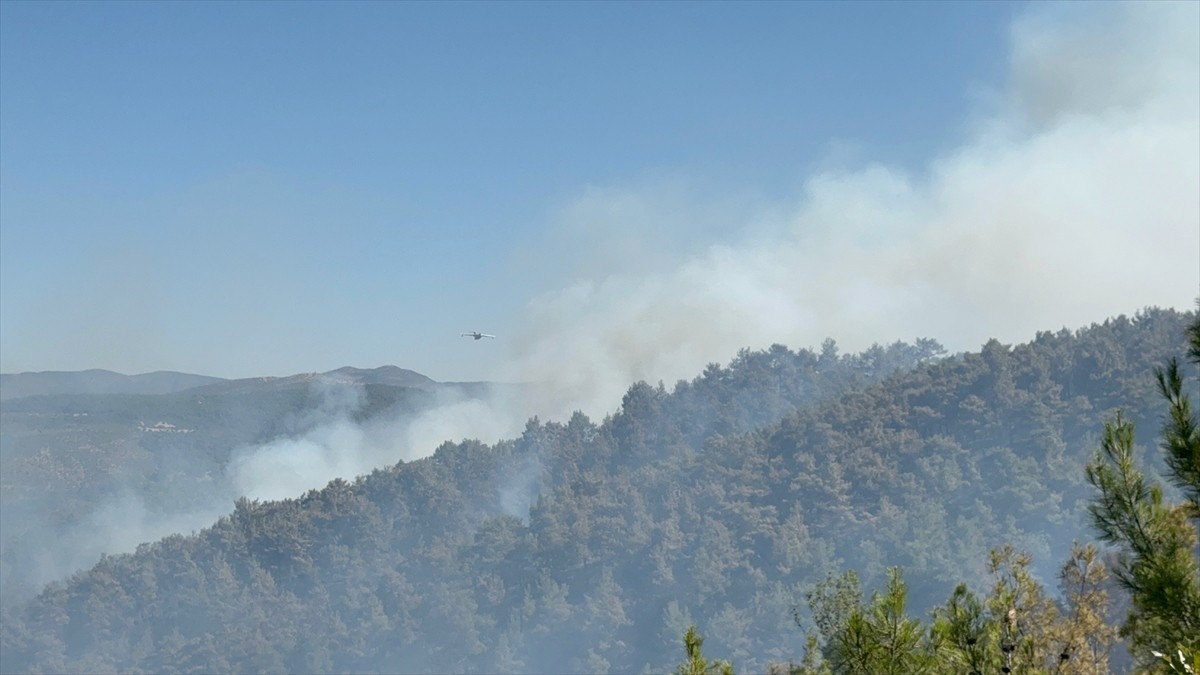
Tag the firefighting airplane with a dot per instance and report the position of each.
(477, 335)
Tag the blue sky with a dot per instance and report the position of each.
(243, 189)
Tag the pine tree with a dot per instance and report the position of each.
(831, 603)
(1082, 636)
(1021, 611)
(881, 639)
(1156, 540)
(696, 664)
(965, 639)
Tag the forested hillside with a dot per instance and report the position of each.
(70, 459)
(591, 546)
(80, 470)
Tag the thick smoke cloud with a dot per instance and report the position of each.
(1072, 198)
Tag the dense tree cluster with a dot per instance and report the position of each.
(592, 547)
(1017, 629)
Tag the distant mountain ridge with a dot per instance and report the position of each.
(98, 381)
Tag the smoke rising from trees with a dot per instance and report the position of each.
(1078, 175)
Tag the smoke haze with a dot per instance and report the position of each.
(318, 445)
(1072, 198)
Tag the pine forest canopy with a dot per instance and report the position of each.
(721, 504)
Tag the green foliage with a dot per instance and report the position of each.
(1157, 540)
(1182, 660)
(1181, 436)
(1015, 629)
(1157, 563)
(696, 664)
(831, 603)
(1021, 631)
(880, 639)
(963, 636)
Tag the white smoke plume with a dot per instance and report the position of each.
(319, 445)
(334, 445)
(1073, 198)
